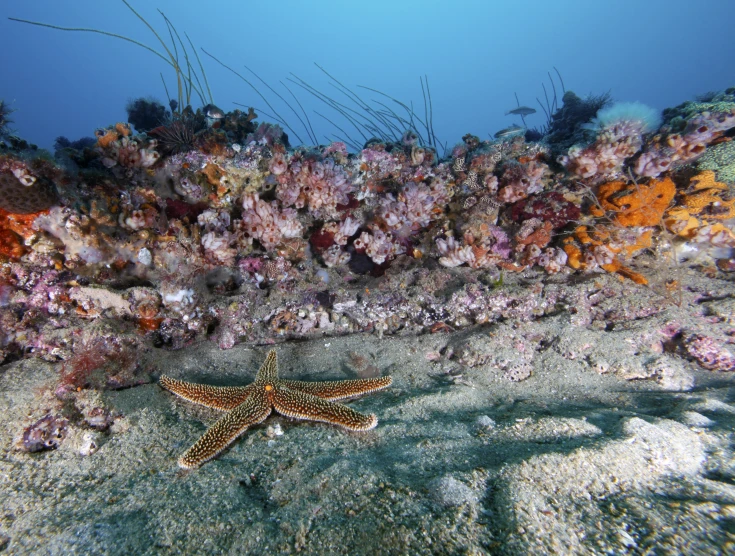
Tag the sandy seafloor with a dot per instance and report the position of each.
(614, 445)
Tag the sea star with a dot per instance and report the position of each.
(251, 404)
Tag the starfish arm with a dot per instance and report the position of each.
(225, 431)
(268, 371)
(223, 398)
(299, 405)
(339, 389)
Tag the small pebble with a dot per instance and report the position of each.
(274, 430)
(89, 444)
(485, 422)
(449, 492)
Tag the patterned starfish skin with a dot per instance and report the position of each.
(252, 404)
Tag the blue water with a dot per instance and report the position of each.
(476, 55)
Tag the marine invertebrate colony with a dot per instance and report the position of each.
(672, 150)
(45, 434)
(266, 223)
(119, 147)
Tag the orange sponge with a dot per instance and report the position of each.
(635, 204)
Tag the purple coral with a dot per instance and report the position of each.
(336, 147)
(251, 265)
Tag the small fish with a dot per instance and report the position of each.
(510, 131)
(212, 112)
(522, 111)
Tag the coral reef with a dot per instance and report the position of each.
(210, 226)
(709, 353)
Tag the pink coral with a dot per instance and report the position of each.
(454, 253)
(375, 162)
(521, 180)
(251, 265)
(278, 164)
(213, 220)
(489, 250)
(553, 260)
(267, 223)
(378, 245)
(677, 149)
(336, 147)
(414, 207)
(318, 185)
(603, 159)
(217, 248)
